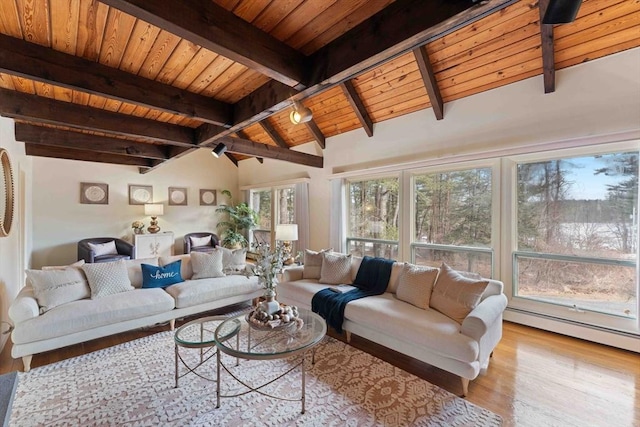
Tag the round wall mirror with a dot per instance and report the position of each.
(6, 193)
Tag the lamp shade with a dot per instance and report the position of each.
(219, 150)
(287, 232)
(154, 209)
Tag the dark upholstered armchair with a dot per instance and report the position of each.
(125, 250)
(189, 246)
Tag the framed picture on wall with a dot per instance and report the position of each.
(140, 194)
(208, 198)
(94, 193)
(177, 196)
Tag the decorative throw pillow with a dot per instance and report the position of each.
(336, 269)
(59, 286)
(313, 263)
(234, 260)
(161, 277)
(107, 278)
(186, 269)
(455, 295)
(207, 265)
(134, 269)
(108, 248)
(200, 241)
(415, 285)
(394, 279)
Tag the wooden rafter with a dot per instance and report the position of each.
(35, 62)
(87, 156)
(242, 134)
(357, 105)
(273, 134)
(233, 158)
(29, 107)
(81, 141)
(250, 148)
(208, 25)
(316, 132)
(430, 83)
(548, 58)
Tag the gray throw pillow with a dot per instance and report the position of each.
(58, 286)
(313, 263)
(107, 278)
(207, 265)
(455, 295)
(336, 269)
(415, 285)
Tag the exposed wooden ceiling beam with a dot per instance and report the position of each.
(548, 59)
(357, 105)
(81, 141)
(87, 156)
(42, 64)
(250, 148)
(211, 26)
(316, 132)
(29, 107)
(397, 29)
(273, 134)
(242, 134)
(233, 158)
(430, 83)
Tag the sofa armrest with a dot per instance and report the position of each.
(478, 322)
(24, 307)
(292, 273)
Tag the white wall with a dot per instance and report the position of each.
(595, 98)
(59, 220)
(13, 248)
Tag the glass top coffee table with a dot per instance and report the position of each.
(261, 344)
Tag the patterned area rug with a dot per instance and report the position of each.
(133, 384)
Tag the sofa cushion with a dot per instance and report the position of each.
(336, 269)
(86, 314)
(201, 291)
(59, 286)
(312, 263)
(101, 249)
(455, 295)
(134, 269)
(415, 285)
(207, 265)
(107, 278)
(234, 259)
(186, 270)
(154, 276)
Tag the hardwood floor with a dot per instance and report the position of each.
(535, 378)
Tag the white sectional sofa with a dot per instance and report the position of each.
(87, 319)
(428, 335)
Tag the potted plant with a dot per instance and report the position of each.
(240, 219)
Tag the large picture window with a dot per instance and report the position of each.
(452, 220)
(274, 206)
(373, 213)
(577, 238)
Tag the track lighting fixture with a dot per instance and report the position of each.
(561, 11)
(300, 114)
(219, 150)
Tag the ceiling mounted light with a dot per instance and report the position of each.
(561, 11)
(219, 150)
(300, 114)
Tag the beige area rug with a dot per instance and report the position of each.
(132, 384)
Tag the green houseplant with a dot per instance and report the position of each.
(240, 218)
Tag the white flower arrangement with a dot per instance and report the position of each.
(268, 265)
(137, 226)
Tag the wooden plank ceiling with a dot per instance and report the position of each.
(140, 82)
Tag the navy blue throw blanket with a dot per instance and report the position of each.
(372, 279)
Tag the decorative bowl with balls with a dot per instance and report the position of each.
(286, 317)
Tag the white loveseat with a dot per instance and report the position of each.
(87, 319)
(424, 334)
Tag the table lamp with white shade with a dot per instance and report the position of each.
(287, 233)
(154, 210)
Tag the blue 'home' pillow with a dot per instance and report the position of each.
(161, 277)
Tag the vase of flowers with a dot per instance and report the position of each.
(267, 267)
(138, 227)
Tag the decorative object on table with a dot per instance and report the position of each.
(285, 316)
(208, 198)
(154, 210)
(177, 196)
(6, 193)
(138, 227)
(267, 267)
(240, 218)
(94, 193)
(140, 194)
(299, 259)
(287, 233)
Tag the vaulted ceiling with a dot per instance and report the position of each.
(140, 82)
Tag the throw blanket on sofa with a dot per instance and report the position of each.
(372, 279)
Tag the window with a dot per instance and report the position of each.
(577, 238)
(261, 203)
(452, 214)
(270, 213)
(373, 217)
